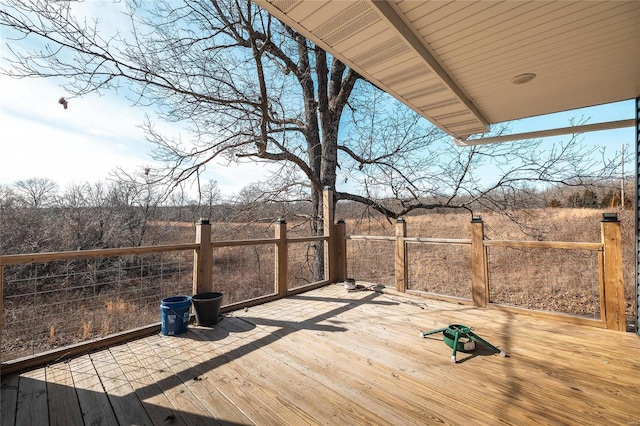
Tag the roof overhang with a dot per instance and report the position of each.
(464, 65)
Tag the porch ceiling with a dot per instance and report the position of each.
(453, 62)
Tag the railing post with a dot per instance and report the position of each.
(401, 271)
(328, 219)
(1, 302)
(203, 259)
(479, 276)
(341, 250)
(612, 281)
(636, 227)
(282, 258)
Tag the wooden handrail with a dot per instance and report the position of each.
(307, 239)
(257, 242)
(22, 259)
(420, 240)
(609, 258)
(237, 243)
(569, 245)
(26, 258)
(370, 237)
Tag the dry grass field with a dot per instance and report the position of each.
(95, 298)
(548, 279)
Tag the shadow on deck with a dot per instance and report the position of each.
(335, 357)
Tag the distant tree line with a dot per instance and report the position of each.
(597, 197)
(37, 216)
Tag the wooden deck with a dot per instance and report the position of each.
(340, 358)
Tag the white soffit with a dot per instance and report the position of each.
(453, 61)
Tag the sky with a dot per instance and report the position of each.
(98, 134)
(94, 136)
(85, 142)
(597, 114)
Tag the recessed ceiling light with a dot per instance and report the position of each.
(523, 78)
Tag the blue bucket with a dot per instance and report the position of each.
(175, 315)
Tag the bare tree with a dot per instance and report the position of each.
(84, 216)
(36, 192)
(211, 197)
(251, 88)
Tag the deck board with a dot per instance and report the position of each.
(94, 402)
(64, 407)
(126, 406)
(336, 397)
(158, 407)
(238, 365)
(31, 408)
(330, 356)
(187, 367)
(9, 399)
(359, 380)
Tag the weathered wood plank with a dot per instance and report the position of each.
(126, 405)
(348, 400)
(64, 408)
(158, 407)
(194, 375)
(249, 391)
(9, 399)
(94, 403)
(159, 367)
(32, 399)
(335, 357)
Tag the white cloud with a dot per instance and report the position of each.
(41, 138)
(85, 142)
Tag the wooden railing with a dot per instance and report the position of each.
(203, 280)
(336, 263)
(609, 252)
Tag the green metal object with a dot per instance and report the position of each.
(460, 338)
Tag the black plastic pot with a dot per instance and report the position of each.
(207, 308)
